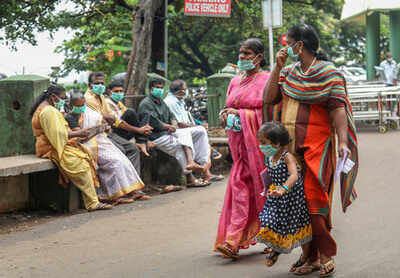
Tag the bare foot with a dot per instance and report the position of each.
(194, 167)
(143, 148)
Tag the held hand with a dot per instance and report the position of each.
(109, 119)
(83, 133)
(222, 117)
(205, 126)
(171, 129)
(343, 148)
(279, 191)
(281, 57)
(146, 130)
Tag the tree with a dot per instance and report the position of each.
(101, 35)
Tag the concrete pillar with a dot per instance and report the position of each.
(17, 94)
(395, 35)
(373, 34)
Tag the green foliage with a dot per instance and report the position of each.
(102, 44)
(200, 46)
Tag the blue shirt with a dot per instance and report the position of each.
(177, 107)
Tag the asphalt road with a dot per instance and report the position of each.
(172, 235)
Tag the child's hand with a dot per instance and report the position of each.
(278, 191)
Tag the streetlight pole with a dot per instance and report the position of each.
(166, 39)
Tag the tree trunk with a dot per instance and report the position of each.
(141, 49)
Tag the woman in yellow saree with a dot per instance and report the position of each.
(55, 141)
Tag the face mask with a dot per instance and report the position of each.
(291, 53)
(268, 150)
(390, 60)
(98, 89)
(60, 104)
(78, 109)
(117, 96)
(186, 93)
(157, 92)
(245, 65)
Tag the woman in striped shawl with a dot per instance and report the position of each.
(316, 111)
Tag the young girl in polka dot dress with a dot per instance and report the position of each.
(285, 220)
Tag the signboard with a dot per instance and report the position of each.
(213, 8)
(272, 13)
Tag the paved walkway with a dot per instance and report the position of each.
(172, 235)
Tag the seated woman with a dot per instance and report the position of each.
(55, 141)
(118, 178)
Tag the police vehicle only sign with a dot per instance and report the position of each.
(214, 8)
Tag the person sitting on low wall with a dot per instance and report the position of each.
(55, 141)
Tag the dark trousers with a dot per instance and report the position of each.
(322, 241)
(132, 118)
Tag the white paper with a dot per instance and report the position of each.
(348, 165)
(340, 166)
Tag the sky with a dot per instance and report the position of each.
(40, 58)
(35, 59)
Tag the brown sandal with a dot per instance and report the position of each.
(299, 263)
(227, 251)
(307, 268)
(272, 258)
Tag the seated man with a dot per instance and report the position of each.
(127, 126)
(119, 180)
(186, 145)
(175, 102)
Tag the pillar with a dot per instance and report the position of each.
(373, 33)
(395, 35)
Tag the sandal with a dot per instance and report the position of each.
(171, 188)
(272, 258)
(227, 251)
(267, 250)
(307, 268)
(140, 196)
(300, 262)
(325, 267)
(198, 183)
(215, 178)
(101, 206)
(125, 200)
(216, 154)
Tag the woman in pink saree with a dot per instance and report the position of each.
(239, 223)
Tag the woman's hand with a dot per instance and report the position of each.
(343, 148)
(146, 130)
(233, 111)
(281, 57)
(223, 117)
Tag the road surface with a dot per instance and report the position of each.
(172, 235)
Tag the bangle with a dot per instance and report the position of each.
(287, 188)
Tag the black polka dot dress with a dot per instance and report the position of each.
(285, 220)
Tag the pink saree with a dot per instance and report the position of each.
(239, 223)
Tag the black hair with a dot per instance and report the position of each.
(177, 85)
(94, 75)
(53, 89)
(307, 34)
(257, 46)
(155, 81)
(115, 83)
(75, 96)
(276, 133)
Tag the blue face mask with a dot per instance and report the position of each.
(268, 150)
(117, 96)
(246, 65)
(98, 89)
(78, 109)
(390, 60)
(157, 92)
(291, 53)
